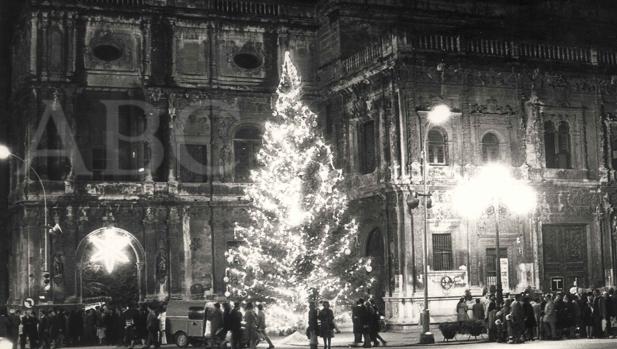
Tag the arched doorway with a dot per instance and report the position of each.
(375, 250)
(110, 263)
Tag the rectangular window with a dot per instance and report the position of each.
(491, 266)
(366, 147)
(193, 163)
(442, 252)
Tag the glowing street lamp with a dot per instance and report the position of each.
(6, 153)
(493, 187)
(439, 114)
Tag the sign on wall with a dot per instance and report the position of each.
(505, 273)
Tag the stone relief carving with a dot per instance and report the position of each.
(491, 106)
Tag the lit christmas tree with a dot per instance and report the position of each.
(300, 243)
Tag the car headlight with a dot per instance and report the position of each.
(5, 343)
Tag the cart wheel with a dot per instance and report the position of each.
(182, 340)
(224, 345)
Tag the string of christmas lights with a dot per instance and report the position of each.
(300, 243)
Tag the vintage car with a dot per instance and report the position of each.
(186, 322)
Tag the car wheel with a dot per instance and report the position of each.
(182, 340)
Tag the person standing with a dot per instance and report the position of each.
(536, 305)
(90, 327)
(129, 316)
(163, 324)
(141, 325)
(14, 323)
(261, 325)
(374, 319)
(5, 324)
(235, 326)
(587, 316)
(152, 327)
(529, 319)
(478, 310)
(550, 318)
(118, 326)
(604, 313)
(226, 320)
(613, 311)
(491, 316)
(357, 319)
(569, 317)
(59, 328)
(461, 311)
(30, 330)
(326, 325)
(100, 325)
(108, 323)
(216, 320)
(250, 318)
(44, 330)
(517, 320)
(599, 314)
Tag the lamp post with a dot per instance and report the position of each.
(494, 187)
(6, 153)
(437, 115)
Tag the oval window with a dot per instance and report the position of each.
(107, 52)
(247, 60)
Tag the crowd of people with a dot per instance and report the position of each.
(130, 326)
(102, 325)
(551, 316)
(366, 319)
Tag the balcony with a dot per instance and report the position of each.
(392, 46)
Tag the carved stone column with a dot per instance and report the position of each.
(43, 27)
(82, 226)
(147, 49)
(150, 226)
(171, 140)
(175, 38)
(188, 253)
(71, 29)
(533, 144)
(176, 255)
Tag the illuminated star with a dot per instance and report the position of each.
(109, 249)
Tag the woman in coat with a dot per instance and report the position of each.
(530, 318)
(461, 311)
(569, 317)
(587, 315)
(326, 325)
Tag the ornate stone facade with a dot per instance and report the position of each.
(201, 71)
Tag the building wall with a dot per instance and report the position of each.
(385, 72)
(508, 88)
(74, 66)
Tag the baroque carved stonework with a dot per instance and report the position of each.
(491, 106)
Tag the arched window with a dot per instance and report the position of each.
(490, 148)
(557, 145)
(247, 141)
(437, 147)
